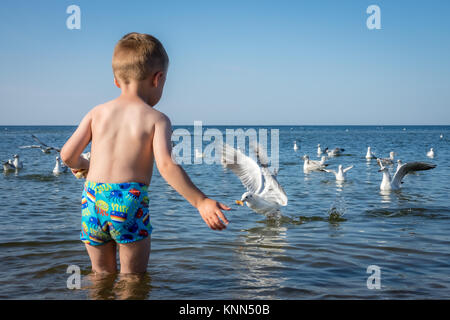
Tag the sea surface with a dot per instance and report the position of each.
(319, 247)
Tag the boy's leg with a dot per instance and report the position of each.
(103, 257)
(134, 256)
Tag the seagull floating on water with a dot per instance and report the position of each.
(394, 183)
(335, 152)
(16, 162)
(370, 154)
(264, 193)
(8, 166)
(340, 174)
(313, 165)
(319, 150)
(295, 146)
(430, 154)
(389, 160)
(59, 168)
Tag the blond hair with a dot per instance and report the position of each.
(136, 56)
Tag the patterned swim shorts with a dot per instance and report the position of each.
(114, 211)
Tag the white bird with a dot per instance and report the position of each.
(370, 154)
(59, 168)
(335, 152)
(17, 164)
(313, 165)
(430, 154)
(198, 154)
(389, 160)
(319, 150)
(441, 136)
(340, 174)
(8, 166)
(295, 146)
(394, 183)
(264, 193)
(42, 148)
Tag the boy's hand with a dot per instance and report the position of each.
(210, 210)
(79, 173)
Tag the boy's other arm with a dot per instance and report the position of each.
(72, 149)
(210, 210)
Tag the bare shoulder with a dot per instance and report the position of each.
(159, 118)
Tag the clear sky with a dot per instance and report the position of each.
(234, 62)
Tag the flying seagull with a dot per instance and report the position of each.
(264, 193)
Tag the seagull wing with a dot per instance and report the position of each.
(32, 146)
(348, 168)
(408, 168)
(272, 189)
(244, 167)
(43, 144)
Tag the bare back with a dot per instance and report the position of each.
(121, 147)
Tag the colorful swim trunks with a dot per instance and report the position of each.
(114, 211)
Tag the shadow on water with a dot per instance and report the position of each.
(118, 286)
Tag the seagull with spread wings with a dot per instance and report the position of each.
(264, 193)
(395, 182)
(42, 146)
(340, 174)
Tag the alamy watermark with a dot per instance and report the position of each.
(374, 280)
(242, 139)
(74, 280)
(74, 20)
(374, 20)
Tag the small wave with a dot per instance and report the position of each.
(429, 213)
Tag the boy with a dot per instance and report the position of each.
(127, 134)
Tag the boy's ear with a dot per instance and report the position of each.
(157, 78)
(116, 83)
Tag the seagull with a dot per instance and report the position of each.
(389, 160)
(59, 168)
(335, 152)
(319, 150)
(295, 146)
(370, 154)
(340, 174)
(17, 164)
(430, 154)
(44, 147)
(394, 184)
(8, 166)
(441, 136)
(264, 193)
(313, 165)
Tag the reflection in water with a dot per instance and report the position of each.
(260, 255)
(385, 196)
(118, 286)
(339, 185)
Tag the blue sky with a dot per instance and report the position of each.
(234, 62)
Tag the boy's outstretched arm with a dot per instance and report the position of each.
(72, 149)
(210, 210)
